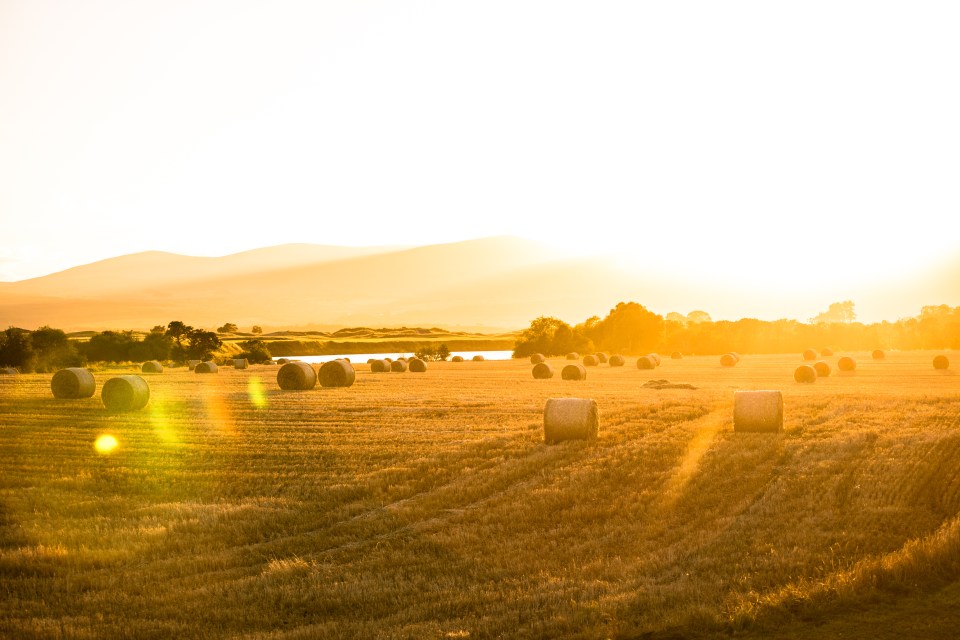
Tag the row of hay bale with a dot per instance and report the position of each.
(400, 365)
(120, 393)
(301, 376)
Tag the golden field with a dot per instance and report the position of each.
(428, 506)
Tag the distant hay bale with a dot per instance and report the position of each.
(570, 419)
(193, 364)
(676, 355)
(398, 366)
(617, 361)
(735, 355)
(456, 359)
(826, 352)
(8, 371)
(846, 364)
(370, 360)
(758, 411)
(206, 367)
(389, 359)
(822, 368)
(809, 354)
(542, 371)
(417, 366)
(401, 359)
(345, 359)
(602, 357)
(575, 371)
(296, 376)
(646, 362)
(729, 360)
(573, 355)
(878, 354)
(240, 363)
(478, 358)
(73, 383)
(941, 363)
(805, 374)
(590, 361)
(125, 393)
(283, 360)
(336, 373)
(151, 367)
(537, 358)
(655, 357)
(380, 366)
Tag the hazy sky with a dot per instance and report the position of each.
(793, 143)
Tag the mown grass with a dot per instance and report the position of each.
(427, 506)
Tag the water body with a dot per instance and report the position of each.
(363, 357)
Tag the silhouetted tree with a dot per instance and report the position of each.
(256, 351)
(16, 349)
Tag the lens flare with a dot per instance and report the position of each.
(105, 444)
(258, 395)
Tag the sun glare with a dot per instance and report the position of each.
(105, 444)
(257, 392)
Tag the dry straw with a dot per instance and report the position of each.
(240, 363)
(570, 419)
(417, 365)
(398, 366)
(822, 368)
(826, 352)
(73, 383)
(729, 360)
(655, 357)
(206, 367)
(602, 357)
(758, 411)
(574, 371)
(941, 362)
(846, 364)
(336, 373)
(151, 367)
(590, 361)
(617, 361)
(809, 354)
(537, 358)
(542, 371)
(125, 393)
(380, 366)
(805, 374)
(646, 362)
(296, 376)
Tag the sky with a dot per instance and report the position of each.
(786, 146)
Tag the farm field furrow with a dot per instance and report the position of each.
(428, 505)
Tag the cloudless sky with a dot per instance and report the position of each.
(781, 144)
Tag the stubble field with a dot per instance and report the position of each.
(427, 506)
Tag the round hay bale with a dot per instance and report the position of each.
(389, 360)
(193, 364)
(655, 357)
(575, 371)
(240, 363)
(941, 363)
(590, 361)
(380, 366)
(878, 354)
(570, 419)
(370, 360)
(537, 358)
(336, 373)
(283, 360)
(735, 355)
(676, 355)
(125, 393)
(822, 368)
(729, 360)
(73, 383)
(478, 358)
(573, 355)
(8, 371)
(805, 374)
(602, 357)
(456, 359)
(542, 371)
(757, 411)
(206, 367)
(417, 365)
(617, 361)
(646, 362)
(826, 352)
(151, 367)
(296, 376)
(809, 354)
(401, 359)
(398, 366)
(846, 364)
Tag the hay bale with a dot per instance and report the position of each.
(602, 357)
(826, 352)
(193, 364)
(575, 371)
(758, 411)
(729, 360)
(296, 376)
(822, 368)
(846, 364)
(283, 360)
(151, 367)
(398, 366)
(336, 373)
(125, 393)
(456, 359)
(590, 361)
(878, 354)
(8, 371)
(240, 363)
(389, 360)
(380, 366)
(805, 374)
(941, 362)
(646, 362)
(73, 383)
(570, 419)
(573, 355)
(537, 358)
(417, 365)
(676, 355)
(542, 371)
(617, 361)
(655, 357)
(735, 355)
(370, 360)
(206, 367)
(809, 354)
(478, 358)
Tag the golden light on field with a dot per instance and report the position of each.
(257, 392)
(105, 444)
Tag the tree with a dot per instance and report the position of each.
(839, 312)
(630, 327)
(228, 327)
(16, 349)
(256, 330)
(696, 317)
(179, 333)
(551, 337)
(202, 344)
(256, 351)
(110, 346)
(53, 350)
(430, 352)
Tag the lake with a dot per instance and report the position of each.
(363, 357)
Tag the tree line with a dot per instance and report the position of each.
(630, 328)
